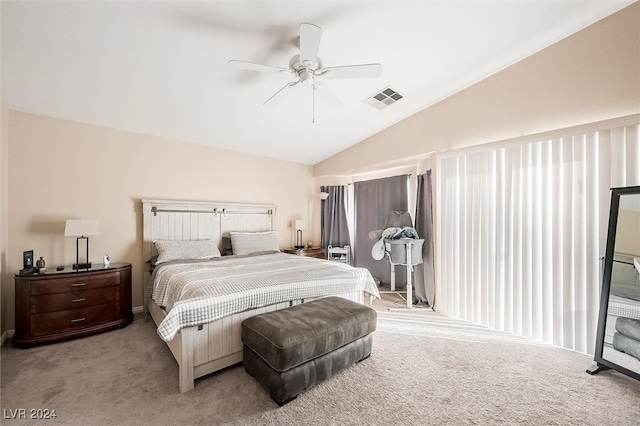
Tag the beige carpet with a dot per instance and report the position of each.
(425, 369)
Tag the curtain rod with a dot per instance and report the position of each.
(156, 210)
(351, 183)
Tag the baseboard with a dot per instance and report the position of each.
(6, 335)
(137, 309)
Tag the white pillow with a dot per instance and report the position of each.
(253, 242)
(184, 249)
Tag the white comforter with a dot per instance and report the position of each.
(197, 292)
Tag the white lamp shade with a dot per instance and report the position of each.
(301, 224)
(324, 195)
(81, 228)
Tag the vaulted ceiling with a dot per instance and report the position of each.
(161, 68)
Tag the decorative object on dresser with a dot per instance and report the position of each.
(27, 259)
(27, 263)
(317, 252)
(41, 264)
(81, 229)
(60, 305)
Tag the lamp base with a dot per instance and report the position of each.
(82, 265)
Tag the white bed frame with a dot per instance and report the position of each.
(205, 348)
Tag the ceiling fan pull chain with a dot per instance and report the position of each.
(313, 102)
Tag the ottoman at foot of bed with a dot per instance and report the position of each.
(285, 386)
(290, 350)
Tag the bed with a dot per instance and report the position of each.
(203, 330)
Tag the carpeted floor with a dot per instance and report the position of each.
(425, 369)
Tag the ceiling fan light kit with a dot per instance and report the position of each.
(308, 69)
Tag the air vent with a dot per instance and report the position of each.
(384, 98)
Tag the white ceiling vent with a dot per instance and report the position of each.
(384, 98)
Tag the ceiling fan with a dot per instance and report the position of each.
(308, 69)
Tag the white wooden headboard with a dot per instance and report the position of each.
(198, 220)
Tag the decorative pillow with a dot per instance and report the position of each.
(253, 242)
(196, 249)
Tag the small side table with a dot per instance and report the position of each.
(317, 252)
(339, 254)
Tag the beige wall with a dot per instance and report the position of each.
(61, 170)
(4, 212)
(590, 76)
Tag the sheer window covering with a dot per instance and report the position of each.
(522, 229)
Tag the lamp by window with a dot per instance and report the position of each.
(324, 195)
(300, 225)
(81, 229)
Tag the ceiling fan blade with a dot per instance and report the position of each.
(250, 66)
(309, 44)
(281, 94)
(327, 95)
(353, 71)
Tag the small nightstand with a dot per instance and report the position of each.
(339, 254)
(317, 252)
(59, 305)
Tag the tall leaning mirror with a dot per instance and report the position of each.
(618, 338)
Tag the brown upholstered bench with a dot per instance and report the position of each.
(292, 349)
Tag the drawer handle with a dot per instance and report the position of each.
(78, 284)
(78, 319)
(82, 299)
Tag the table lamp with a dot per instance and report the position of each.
(300, 225)
(81, 229)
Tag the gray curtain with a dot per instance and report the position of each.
(424, 273)
(373, 200)
(333, 218)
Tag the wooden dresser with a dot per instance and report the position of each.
(59, 305)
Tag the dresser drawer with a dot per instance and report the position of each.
(81, 282)
(74, 319)
(73, 299)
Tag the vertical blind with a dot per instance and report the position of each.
(523, 228)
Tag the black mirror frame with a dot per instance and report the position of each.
(601, 363)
